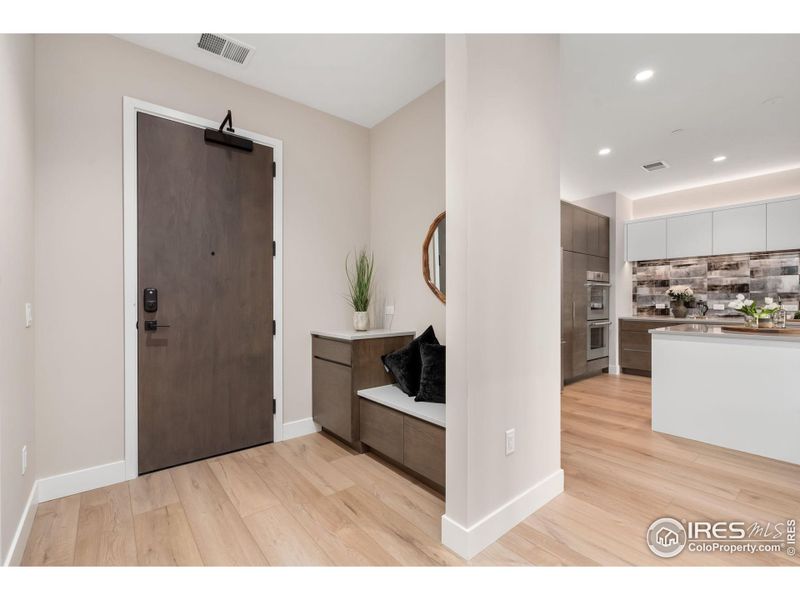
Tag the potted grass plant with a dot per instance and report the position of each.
(360, 287)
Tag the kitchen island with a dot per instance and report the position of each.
(737, 390)
(635, 351)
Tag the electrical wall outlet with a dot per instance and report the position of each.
(28, 314)
(790, 307)
(389, 310)
(511, 442)
(719, 307)
(659, 306)
(24, 459)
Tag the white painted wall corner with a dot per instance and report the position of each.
(17, 548)
(301, 427)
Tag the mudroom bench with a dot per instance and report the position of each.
(410, 434)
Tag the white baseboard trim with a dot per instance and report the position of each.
(76, 482)
(469, 541)
(17, 548)
(614, 370)
(300, 427)
(92, 478)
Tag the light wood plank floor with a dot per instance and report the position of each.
(310, 501)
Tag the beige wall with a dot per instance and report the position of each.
(407, 192)
(751, 189)
(503, 252)
(79, 345)
(16, 280)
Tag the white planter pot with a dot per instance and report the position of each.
(361, 321)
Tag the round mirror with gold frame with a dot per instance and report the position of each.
(434, 265)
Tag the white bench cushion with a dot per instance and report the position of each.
(393, 397)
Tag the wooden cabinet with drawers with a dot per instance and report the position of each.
(342, 364)
(382, 429)
(412, 443)
(635, 345)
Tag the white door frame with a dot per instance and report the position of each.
(130, 108)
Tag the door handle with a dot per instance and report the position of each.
(152, 326)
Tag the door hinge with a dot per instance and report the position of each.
(274, 249)
(274, 169)
(273, 327)
(274, 406)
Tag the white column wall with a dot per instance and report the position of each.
(503, 246)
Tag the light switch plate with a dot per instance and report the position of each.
(511, 442)
(790, 307)
(389, 310)
(719, 307)
(24, 459)
(661, 306)
(28, 314)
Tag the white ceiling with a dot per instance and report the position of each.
(363, 78)
(711, 86)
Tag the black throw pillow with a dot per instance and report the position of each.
(405, 364)
(431, 385)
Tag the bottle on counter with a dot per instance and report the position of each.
(779, 317)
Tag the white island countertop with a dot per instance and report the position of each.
(351, 335)
(699, 320)
(791, 334)
(733, 389)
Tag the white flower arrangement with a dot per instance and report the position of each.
(680, 293)
(751, 309)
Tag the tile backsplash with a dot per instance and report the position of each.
(717, 280)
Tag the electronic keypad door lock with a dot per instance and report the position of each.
(150, 300)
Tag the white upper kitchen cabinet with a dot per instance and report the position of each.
(783, 225)
(689, 235)
(646, 240)
(742, 229)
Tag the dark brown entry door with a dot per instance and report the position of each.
(205, 243)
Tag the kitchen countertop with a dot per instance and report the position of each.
(351, 335)
(717, 332)
(706, 321)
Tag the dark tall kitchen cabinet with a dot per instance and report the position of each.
(585, 237)
(584, 231)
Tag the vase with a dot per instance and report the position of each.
(765, 322)
(750, 321)
(361, 321)
(679, 309)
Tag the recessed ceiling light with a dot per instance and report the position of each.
(604, 151)
(644, 75)
(719, 158)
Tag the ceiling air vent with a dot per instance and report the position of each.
(655, 166)
(225, 47)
